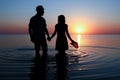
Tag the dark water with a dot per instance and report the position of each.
(98, 58)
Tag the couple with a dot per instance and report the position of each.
(37, 31)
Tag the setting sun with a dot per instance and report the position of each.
(79, 29)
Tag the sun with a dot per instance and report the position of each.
(79, 29)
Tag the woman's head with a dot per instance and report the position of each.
(61, 19)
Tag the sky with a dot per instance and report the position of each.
(82, 16)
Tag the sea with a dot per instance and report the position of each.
(97, 58)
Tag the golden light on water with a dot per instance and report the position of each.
(79, 38)
(79, 31)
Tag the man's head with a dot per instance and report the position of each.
(40, 9)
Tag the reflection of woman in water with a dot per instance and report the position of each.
(61, 29)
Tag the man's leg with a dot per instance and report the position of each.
(37, 49)
(44, 47)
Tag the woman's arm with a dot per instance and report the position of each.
(68, 34)
(54, 33)
(47, 32)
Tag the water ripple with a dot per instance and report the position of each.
(89, 62)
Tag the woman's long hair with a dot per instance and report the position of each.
(61, 19)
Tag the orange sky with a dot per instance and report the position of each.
(83, 17)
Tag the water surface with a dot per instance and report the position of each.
(97, 58)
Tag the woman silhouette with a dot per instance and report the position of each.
(61, 28)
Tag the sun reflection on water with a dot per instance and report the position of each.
(79, 39)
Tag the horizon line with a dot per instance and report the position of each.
(70, 33)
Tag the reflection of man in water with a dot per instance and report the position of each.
(39, 69)
(37, 31)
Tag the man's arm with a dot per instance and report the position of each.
(46, 31)
(30, 31)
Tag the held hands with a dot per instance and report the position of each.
(49, 38)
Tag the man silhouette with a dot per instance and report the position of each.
(37, 31)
